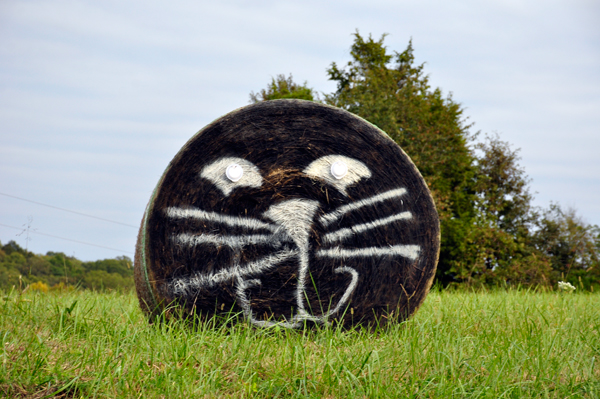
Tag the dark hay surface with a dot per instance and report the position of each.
(281, 139)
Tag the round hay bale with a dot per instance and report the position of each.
(289, 212)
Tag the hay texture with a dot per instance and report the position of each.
(289, 212)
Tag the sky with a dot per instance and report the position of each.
(96, 98)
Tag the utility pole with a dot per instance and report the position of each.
(27, 228)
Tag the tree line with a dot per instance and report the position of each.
(492, 235)
(20, 269)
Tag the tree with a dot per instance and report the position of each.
(503, 187)
(392, 92)
(498, 244)
(282, 87)
(572, 246)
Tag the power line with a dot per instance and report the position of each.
(67, 239)
(67, 210)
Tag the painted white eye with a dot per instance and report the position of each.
(234, 172)
(339, 169)
(235, 168)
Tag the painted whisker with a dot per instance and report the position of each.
(408, 251)
(233, 221)
(235, 242)
(331, 217)
(341, 234)
(190, 285)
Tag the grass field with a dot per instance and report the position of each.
(514, 344)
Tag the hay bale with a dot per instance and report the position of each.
(289, 212)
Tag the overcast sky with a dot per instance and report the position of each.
(97, 97)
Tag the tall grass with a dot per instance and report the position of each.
(512, 344)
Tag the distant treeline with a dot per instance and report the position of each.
(20, 268)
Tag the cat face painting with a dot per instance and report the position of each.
(289, 212)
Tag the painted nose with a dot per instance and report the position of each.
(295, 217)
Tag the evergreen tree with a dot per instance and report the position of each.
(392, 92)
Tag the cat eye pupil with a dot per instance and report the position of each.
(234, 172)
(339, 169)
